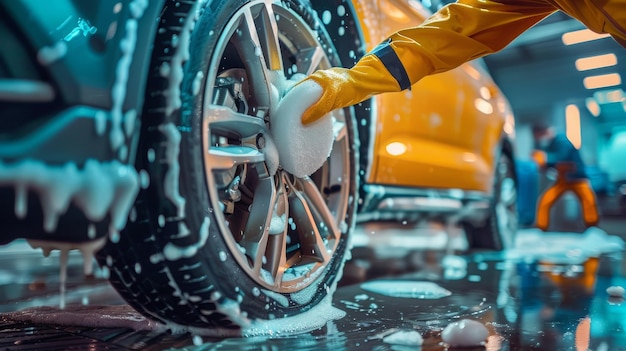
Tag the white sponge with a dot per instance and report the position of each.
(302, 149)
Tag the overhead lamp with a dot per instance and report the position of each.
(581, 36)
(593, 106)
(593, 62)
(608, 96)
(572, 125)
(602, 81)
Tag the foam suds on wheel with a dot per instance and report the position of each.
(171, 180)
(122, 73)
(176, 72)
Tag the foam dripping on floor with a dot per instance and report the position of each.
(87, 249)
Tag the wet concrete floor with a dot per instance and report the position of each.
(550, 293)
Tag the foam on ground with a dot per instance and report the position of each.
(406, 289)
(312, 319)
(566, 248)
(616, 291)
(404, 338)
(302, 149)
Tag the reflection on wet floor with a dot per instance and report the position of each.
(402, 279)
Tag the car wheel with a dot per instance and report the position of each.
(498, 231)
(216, 237)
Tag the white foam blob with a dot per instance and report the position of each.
(464, 333)
(406, 289)
(404, 337)
(302, 149)
(616, 291)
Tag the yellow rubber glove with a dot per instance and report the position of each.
(345, 87)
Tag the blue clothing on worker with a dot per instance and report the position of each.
(561, 150)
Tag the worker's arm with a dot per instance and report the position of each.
(457, 33)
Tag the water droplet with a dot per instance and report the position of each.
(341, 11)
(327, 17)
(161, 221)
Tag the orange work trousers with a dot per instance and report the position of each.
(583, 191)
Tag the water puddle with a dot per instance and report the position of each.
(550, 290)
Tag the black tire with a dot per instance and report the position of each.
(498, 231)
(197, 250)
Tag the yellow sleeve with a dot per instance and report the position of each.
(457, 33)
(463, 31)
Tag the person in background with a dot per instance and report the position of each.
(555, 150)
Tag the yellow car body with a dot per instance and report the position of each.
(443, 133)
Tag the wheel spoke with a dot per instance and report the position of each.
(227, 157)
(316, 225)
(505, 207)
(508, 195)
(312, 245)
(254, 240)
(248, 45)
(340, 130)
(276, 254)
(225, 119)
(267, 34)
(220, 120)
(310, 59)
(317, 202)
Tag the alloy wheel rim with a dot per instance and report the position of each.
(293, 226)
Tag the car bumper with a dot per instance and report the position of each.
(61, 179)
(397, 203)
